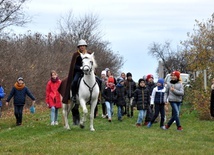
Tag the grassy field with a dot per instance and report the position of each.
(37, 137)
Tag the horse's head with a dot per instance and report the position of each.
(88, 63)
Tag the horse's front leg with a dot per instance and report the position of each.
(85, 112)
(93, 106)
(66, 108)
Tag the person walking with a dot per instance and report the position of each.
(130, 88)
(212, 99)
(121, 97)
(141, 100)
(103, 85)
(157, 99)
(150, 85)
(2, 95)
(53, 98)
(174, 95)
(110, 96)
(19, 92)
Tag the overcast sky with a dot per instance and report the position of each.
(129, 25)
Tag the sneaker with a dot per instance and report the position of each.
(179, 128)
(109, 120)
(103, 116)
(138, 125)
(52, 123)
(163, 127)
(56, 123)
(149, 124)
(166, 127)
(145, 123)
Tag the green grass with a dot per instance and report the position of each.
(37, 137)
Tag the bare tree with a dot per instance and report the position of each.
(11, 13)
(86, 28)
(171, 59)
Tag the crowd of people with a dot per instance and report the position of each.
(146, 96)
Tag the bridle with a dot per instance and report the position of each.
(85, 71)
(88, 72)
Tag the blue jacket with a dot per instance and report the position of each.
(19, 95)
(1, 94)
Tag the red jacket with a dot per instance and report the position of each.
(52, 95)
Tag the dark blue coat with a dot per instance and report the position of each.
(121, 95)
(141, 98)
(19, 95)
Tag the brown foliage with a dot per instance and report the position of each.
(33, 56)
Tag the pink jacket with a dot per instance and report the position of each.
(52, 95)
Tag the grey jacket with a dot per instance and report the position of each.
(176, 95)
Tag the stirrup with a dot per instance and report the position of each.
(74, 99)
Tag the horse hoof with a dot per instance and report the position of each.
(82, 126)
(92, 130)
(67, 127)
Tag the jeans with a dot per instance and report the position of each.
(159, 108)
(119, 112)
(141, 115)
(176, 110)
(109, 107)
(54, 114)
(18, 110)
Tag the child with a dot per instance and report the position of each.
(174, 93)
(157, 99)
(2, 94)
(150, 85)
(53, 98)
(141, 100)
(103, 85)
(18, 92)
(121, 97)
(109, 94)
(130, 88)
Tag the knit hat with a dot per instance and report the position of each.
(140, 80)
(103, 72)
(149, 76)
(161, 81)
(119, 80)
(177, 74)
(129, 74)
(111, 79)
(20, 78)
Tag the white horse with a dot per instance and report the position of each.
(88, 92)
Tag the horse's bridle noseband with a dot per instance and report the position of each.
(90, 67)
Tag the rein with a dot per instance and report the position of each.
(90, 89)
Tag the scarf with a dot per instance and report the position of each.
(54, 80)
(111, 86)
(18, 86)
(174, 81)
